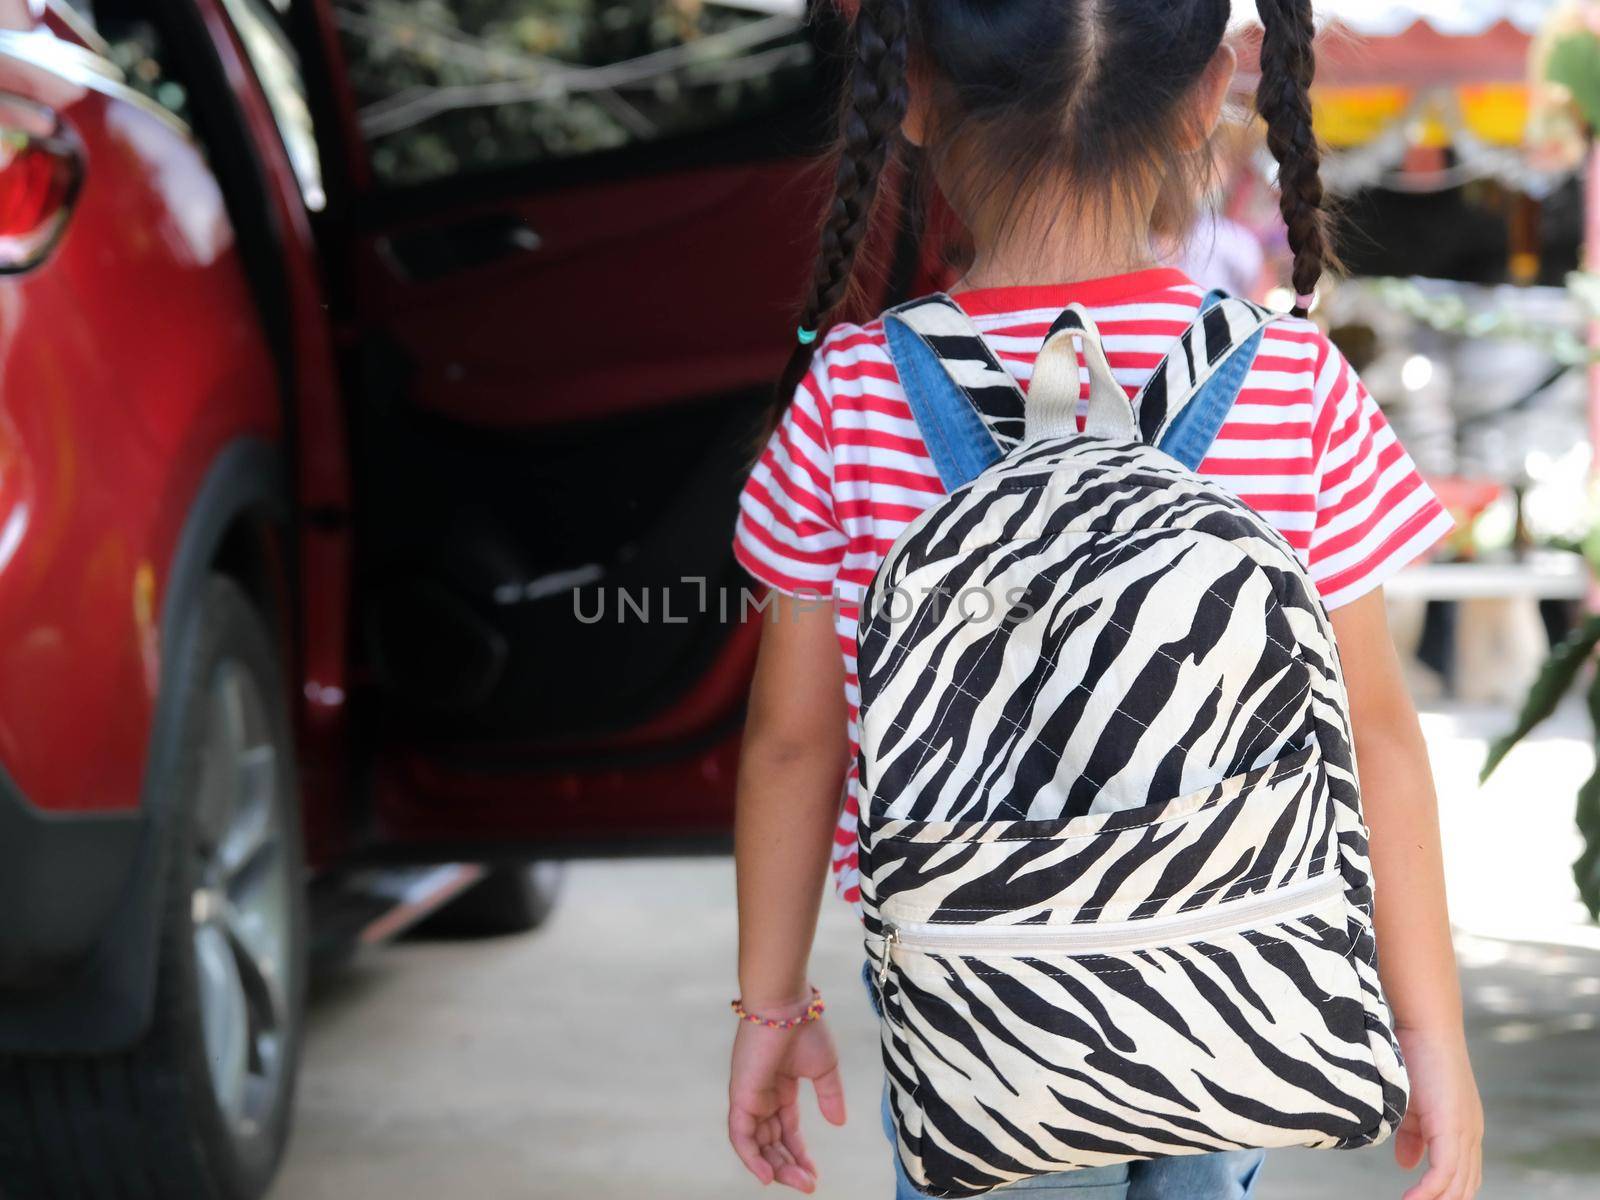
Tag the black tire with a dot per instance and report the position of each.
(148, 1124)
(512, 898)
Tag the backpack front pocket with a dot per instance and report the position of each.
(1037, 1048)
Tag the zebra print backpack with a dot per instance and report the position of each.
(1114, 869)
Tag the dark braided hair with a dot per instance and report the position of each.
(874, 107)
(1024, 91)
(1283, 98)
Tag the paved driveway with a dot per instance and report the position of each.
(587, 1061)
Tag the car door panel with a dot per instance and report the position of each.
(620, 298)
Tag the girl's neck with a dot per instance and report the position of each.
(1048, 266)
(1059, 249)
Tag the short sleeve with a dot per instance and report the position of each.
(1374, 512)
(788, 535)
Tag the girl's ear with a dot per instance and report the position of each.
(1210, 95)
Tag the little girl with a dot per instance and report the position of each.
(1068, 136)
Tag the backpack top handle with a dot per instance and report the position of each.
(1052, 409)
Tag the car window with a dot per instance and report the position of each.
(125, 35)
(124, 32)
(444, 88)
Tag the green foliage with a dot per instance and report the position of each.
(1586, 869)
(1469, 317)
(1554, 680)
(1574, 63)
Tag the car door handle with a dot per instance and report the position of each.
(424, 255)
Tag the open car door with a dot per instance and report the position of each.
(566, 239)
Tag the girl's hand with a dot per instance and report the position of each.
(1445, 1117)
(764, 1093)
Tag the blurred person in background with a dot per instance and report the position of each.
(1236, 242)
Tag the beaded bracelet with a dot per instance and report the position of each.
(814, 1010)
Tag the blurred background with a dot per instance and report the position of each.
(377, 379)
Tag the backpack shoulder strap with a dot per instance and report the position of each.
(967, 407)
(971, 412)
(1192, 390)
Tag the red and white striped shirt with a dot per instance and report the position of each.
(1305, 445)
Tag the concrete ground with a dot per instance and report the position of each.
(586, 1062)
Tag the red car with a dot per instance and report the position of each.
(368, 372)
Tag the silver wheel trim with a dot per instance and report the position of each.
(241, 905)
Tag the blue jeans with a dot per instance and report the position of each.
(1224, 1176)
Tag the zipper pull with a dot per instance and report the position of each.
(891, 939)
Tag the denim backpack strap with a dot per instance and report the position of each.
(1193, 389)
(967, 407)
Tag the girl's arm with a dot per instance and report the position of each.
(793, 766)
(1415, 955)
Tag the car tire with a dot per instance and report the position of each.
(511, 898)
(200, 1108)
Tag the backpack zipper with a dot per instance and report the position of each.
(1110, 937)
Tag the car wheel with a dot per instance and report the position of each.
(511, 898)
(200, 1108)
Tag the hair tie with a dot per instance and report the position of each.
(1304, 301)
(806, 336)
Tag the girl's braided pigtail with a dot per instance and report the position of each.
(1283, 98)
(874, 107)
